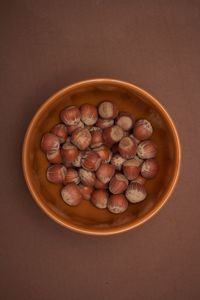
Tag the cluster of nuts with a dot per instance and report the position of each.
(102, 155)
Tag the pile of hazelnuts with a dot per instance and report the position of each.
(102, 155)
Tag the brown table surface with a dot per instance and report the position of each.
(46, 45)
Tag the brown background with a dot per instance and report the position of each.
(46, 45)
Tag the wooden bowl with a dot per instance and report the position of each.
(85, 218)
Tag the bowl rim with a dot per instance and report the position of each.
(137, 222)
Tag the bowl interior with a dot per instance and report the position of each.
(87, 218)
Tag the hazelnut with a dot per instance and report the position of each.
(112, 134)
(143, 129)
(72, 128)
(97, 137)
(50, 143)
(81, 138)
(108, 110)
(91, 161)
(100, 198)
(141, 180)
(60, 130)
(147, 149)
(117, 161)
(100, 185)
(118, 184)
(71, 176)
(56, 173)
(105, 172)
(54, 157)
(125, 121)
(77, 162)
(104, 153)
(131, 168)
(70, 115)
(117, 204)
(149, 168)
(135, 192)
(86, 191)
(89, 114)
(71, 194)
(87, 177)
(69, 152)
(127, 147)
(103, 123)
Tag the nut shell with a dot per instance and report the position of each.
(86, 191)
(97, 137)
(70, 115)
(125, 120)
(100, 185)
(141, 180)
(135, 192)
(143, 129)
(91, 161)
(81, 138)
(131, 168)
(104, 153)
(54, 157)
(108, 110)
(69, 152)
(72, 128)
(147, 149)
(127, 147)
(112, 134)
(118, 184)
(71, 176)
(105, 172)
(77, 162)
(149, 168)
(50, 143)
(100, 198)
(71, 194)
(56, 173)
(117, 161)
(87, 177)
(60, 130)
(117, 204)
(103, 123)
(89, 114)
